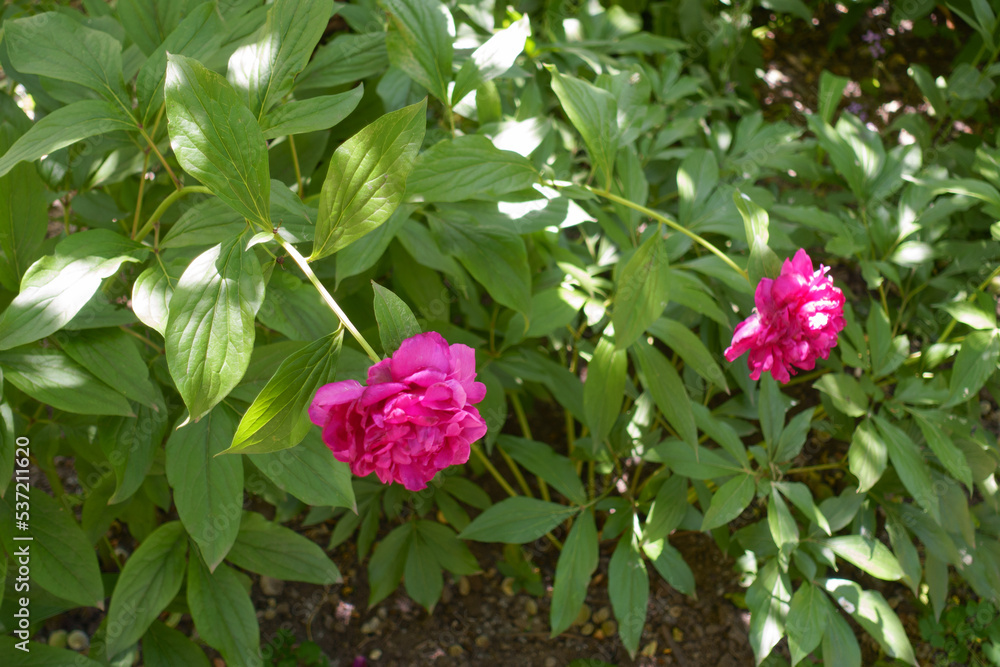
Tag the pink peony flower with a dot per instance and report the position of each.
(415, 417)
(797, 319)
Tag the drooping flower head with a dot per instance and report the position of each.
(415, 417)
(796, 321)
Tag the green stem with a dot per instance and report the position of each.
(522, 420)
(165, 204)
(163, 161)
(304, 265)
(493, 471)
(951, 325)
(659, 217)
(295, 162)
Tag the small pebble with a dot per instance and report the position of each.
(675, 612)
(269, 614)
(58, 639)
(482, 641)
(464, 587)
(530, 607)
(370, 626)
(455, 650)
(583, 616)
(375, 654)
(271, 586)
(601, 615)
(551, 662)
(78, 640)
(678, 635)
(649, 650)
(599, 634)
(609, 628)
(587, 629)
(507, 586)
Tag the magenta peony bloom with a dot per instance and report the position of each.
(415, 417)
(797, 319)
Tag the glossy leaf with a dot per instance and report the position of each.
(272, 550)
(419, 42)
(808, 616)
(867, 456)
(162, 646)
(576, 564)
(311, 115)
(729, 501)
(664, 383)
(23, 216)
(604, 388)
(874, 614)
(50, 376)
(868, 554)
(395, 320)
(309, 472)
(540, 459)
(642, 291)
(910, 465)
(492, 59)
(516, 520)
(468, 167)
(112, 356)
(388, 562)
(223, 612)
(594, 113)
(628, 588)
(975, 363)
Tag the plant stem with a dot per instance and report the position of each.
(522, 420)
(136, 334)
(659, 217)
(163, 161)
(142, 189)
(304, 265)
(822, 466)
(295, 162)
(523, 483)
(493, 471)
(165, 204)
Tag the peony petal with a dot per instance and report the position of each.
(463, 362)
(330, 395)
(426, 351)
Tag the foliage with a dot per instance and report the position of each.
(245, 208)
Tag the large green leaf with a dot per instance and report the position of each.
(210, 327)
(492, 59)
(867, 456)
(840, 646)
(422, 574)
(948, 453)
(278, 418)
(223, 613)
(112, 356)
(62, 559)
(577, 562)
(208, 489)
(395, 320)
(49, 376)
(295, 308)
(419, 42)
(668, 509)
(152, 290)
(468, 167)
(910, 465)
(56, 46)
(162, 646)
(603, 391)
(845, 392)
(272, 550)
(495, 256)
(628, 588)
(869, 554)
(594, 113)
(23, 216)
(367, 178)
(316, 113)
(516, 520)
(874, 614)
(131, 443)
(769, 599)
(309, 472)
(263, 70)
(216, 138)
(642, 291)
(58, 286)
(975, 363)
(388, 562)
(151, 578)
(541, 460)
(41, 655)
(686, 343)
(662, 381)
(729, 501)
(808, 616)
(346, 58)
(669, 562)
(763, 262)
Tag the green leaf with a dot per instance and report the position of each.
(216, 138)
(309, 472)
(419, 42)
(971, 315)
(840, 646)
(468, 167)
(784, 529)
(395, 320)
(763, 262)
(604, 388)
(63, 561)
(312, 115)
(516, 520)
(272, 550)
(58, 286)
(911, 467)
(51, 377)
(685, 343)
(951, 457)
(729, 501)
(807, 621)
(41, 655)
(800, 496)
(56, 46)
(642, 291)
(868, 554)
(670, 564)
(662, 381)
(668, 509)
(346, 58)
(594, 113)
(7, 447)
(223, 612)
(831, 89)
(874, 614)
(975, 363)
(541, 460)
(151, 578)
(151, 294)
(493, 58)
(700, 463)
(422, 573)
(769, 599)
(210, 328)
(263, 71)
(867, 456)
(112, 356)
(131, 443)
(845, 392)
(23, 216)
(388, 561)
(162, 646)
(450, 552)
(208, 489)
(278, 417)
(495, 256)
(295, 308)
(628, 588)
(576, 564)
(772, 409)
(367, 178)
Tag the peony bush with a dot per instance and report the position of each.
(303, 262)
